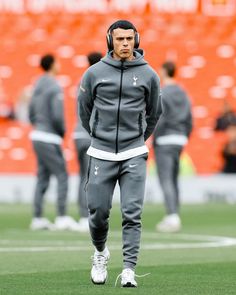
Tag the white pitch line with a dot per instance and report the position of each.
(210, 242)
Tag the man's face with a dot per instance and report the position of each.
(123, 42)
(56, 67)
(162, 73)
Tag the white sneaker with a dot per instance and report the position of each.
(65, 223)
(39, 223)
(170, 224)
(83, 225)
(127, 278)
(99, 267)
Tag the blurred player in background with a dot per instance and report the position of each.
(226, 122)
(170, 137)
(6, 107)
(82, 143)
(226, 118)
(229, 151)
(119, 106)
(47, 117)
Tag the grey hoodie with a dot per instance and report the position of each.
(119, 106)
(46, 108)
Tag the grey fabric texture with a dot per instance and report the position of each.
(176, 117)
(82, 146)
(50, 162)
(80, 131)
(167, 159)
(46, 106)
(103, 176)
(119, 102)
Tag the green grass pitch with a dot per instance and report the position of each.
(195, 261)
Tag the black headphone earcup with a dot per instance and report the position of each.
(109, 42)
(136, 40)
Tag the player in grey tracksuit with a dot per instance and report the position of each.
(47, 118)
(170, 136)
(119, 102)
(82, 143)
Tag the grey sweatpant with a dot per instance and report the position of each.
(131, 176)
(50, 162)
(82, 145)
(167, 159)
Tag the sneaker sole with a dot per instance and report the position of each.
(129, 285)
(98, 283)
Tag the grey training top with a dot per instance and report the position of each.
(46, 110)
(175, 124)
(119, 106)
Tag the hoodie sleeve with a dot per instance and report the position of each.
(85, 100)
(153, 106)
(31, 112)
(189, 123)
(189, 117)
(57, 111)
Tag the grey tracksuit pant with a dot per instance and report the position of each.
(167, 159)
(82, 146)
(50, 162)
(102, 178)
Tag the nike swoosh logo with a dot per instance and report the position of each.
(81, 88)
(132, 165)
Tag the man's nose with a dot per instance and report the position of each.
(125, 43)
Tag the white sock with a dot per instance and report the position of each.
(104, 252)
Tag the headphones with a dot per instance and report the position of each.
(110, 40)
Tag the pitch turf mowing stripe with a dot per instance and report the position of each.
(199, 279)
(44, 246)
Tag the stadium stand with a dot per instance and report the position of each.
(202, 46)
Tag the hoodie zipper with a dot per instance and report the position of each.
(118, 110)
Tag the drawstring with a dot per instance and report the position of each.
(138, 276)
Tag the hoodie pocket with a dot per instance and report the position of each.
(140, 124)
(95, 123)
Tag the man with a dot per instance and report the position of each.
(170, 137)
(46, 115)
(226, 118)
(82, 143)
(119, 106)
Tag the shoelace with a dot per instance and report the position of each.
(99, 261)
(137, 276)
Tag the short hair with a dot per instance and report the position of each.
(46, 62)
(94, 57)
(170, 68)
(121, 24)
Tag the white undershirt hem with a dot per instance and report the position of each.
(103, 155)
(172, 139)
(47, 137)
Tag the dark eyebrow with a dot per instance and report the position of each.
(122, 38)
